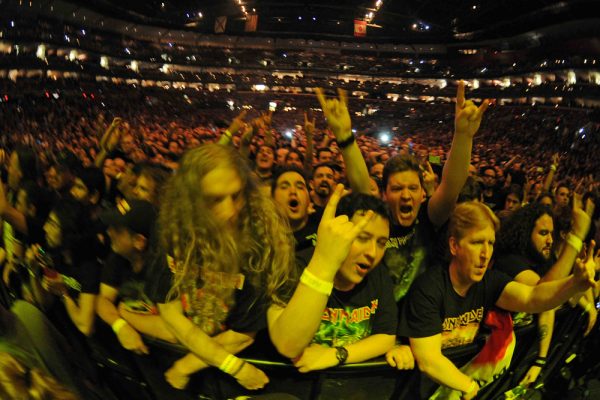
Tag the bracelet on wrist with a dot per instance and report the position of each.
(232, 365)
(228, 134)
(553, 168)
(573, 241)
(540, 362)
(316, 284)
(118, 325)
(346, 142)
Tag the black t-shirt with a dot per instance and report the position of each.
(408, 251)
(366, 310)
(514, 264)
(307, 236)
(247, 314)
(84, 277)
(432, 306)
(494, 202)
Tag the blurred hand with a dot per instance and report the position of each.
(400, 357)
(337, 114)
(251, 377)
(131, 340)
(316, 357)
(336, 234)
(468, 116)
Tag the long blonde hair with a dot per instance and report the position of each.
(19, 382)
(261, 248)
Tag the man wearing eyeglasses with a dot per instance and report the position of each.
(490, 194)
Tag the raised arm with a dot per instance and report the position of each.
(10, 214)
(467, 120)
(109, 141)
(309, 129)
(233, 128)
(293, 327)
(548, 295)
(551, 173)
(574, 242)
(338, 120)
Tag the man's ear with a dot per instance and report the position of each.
(139, 242)
(453, 244)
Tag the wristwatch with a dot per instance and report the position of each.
(341, 355)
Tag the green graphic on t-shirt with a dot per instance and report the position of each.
(404, 264)
(344, 326)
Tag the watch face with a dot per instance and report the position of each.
(342, 354)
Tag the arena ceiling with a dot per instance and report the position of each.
(416, 21)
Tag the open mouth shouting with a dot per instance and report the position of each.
(406, 211)
(294, 205)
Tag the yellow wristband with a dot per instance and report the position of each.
(574, 242)
(316, 284)
(118, 325)
(587, 307)
(228, 134)
(231, 365)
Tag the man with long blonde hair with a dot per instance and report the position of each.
(230, 254)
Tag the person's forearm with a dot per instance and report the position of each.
(192, 336)
(225, 138)
(356, 169)
(231, 341)
(548, 295)
(370, 347)
(563, 266)
(549, 179)
(151, 325)
(100, 157)
(106, 310)
(440, 369)
(294, 327)
(15, 218)
(81, 314)
(545, 330)
(308, 157)
(587, 300)
(454, 176)
(456, 168)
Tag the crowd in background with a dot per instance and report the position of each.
(71, 152)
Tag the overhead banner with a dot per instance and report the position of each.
(220, 23)
(360, 28)
(251, 23)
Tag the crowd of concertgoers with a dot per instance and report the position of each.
(135, 216)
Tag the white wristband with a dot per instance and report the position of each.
(316, 284)
(574, 242)
(118, 325)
